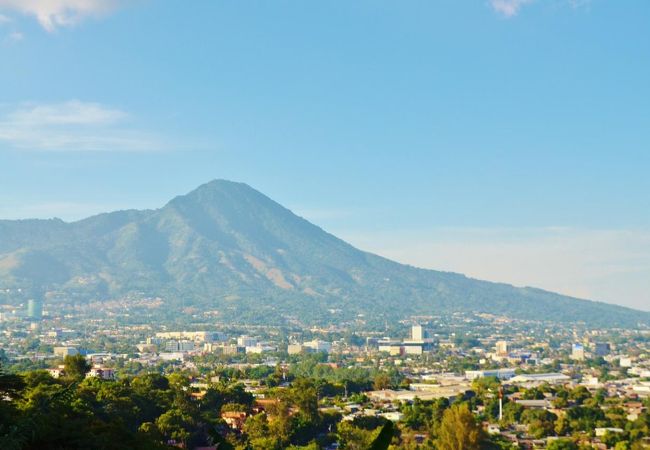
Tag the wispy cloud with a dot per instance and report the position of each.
(508, 8)
(579, 3)
(73, 126)
(610, 265)
(15, 36)
(52, 14)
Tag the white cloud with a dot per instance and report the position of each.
(4, 19)
(606, 265)
(15, 36)
(52, 14)
(508, 8)
(72, 126)
(72, 112)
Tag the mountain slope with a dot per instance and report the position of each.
(228, 247)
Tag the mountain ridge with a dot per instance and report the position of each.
(228, 246)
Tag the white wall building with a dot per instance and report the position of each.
(502, 374)
(105, 373)
(319, 346)
(65, 351)
(246, 341)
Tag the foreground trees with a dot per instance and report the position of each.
(154, 411)
(459, 430)
(76, 367)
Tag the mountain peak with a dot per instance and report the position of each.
(217, 192)
(226, 246)
(223, 187)
(221, 183)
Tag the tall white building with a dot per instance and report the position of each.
(417, 333)
(502, 348)
(319, 346)
(246, 341)
(179, 346)
(578, 352)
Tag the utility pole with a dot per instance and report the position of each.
(500, 403)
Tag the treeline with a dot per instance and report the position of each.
(75, 412)
(578, 412)
(302, 406)
(154, 411)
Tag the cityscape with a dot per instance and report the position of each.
(529, 384)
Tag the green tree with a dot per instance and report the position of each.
(562, 444)
(512, 412)
(533, 394)
(10, 385)
(280, 423)
(258, 433)
(381, 382)
(417, 414)
(540, 422)
(256, 426)
(485, 385)
(562, 426)
(175, 425)
(151, 431)
(305, 396)
(12, 434)
(313, 445)
(579, 394)
(352, 437)
(76, 367)
(458, 430)
(384, 438)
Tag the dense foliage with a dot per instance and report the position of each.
(154, 411)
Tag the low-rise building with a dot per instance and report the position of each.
(104, 373)
(539, 378)
(295, 349)
(57, 372)
(65, 351)
(502, 374)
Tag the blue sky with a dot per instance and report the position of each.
(505, 139)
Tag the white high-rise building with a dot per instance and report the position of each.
(246, 341)
(502, 348)
(318, 346)
(417, 333)
(578, 352)
(179, 346)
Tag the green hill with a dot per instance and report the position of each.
(228, 247)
